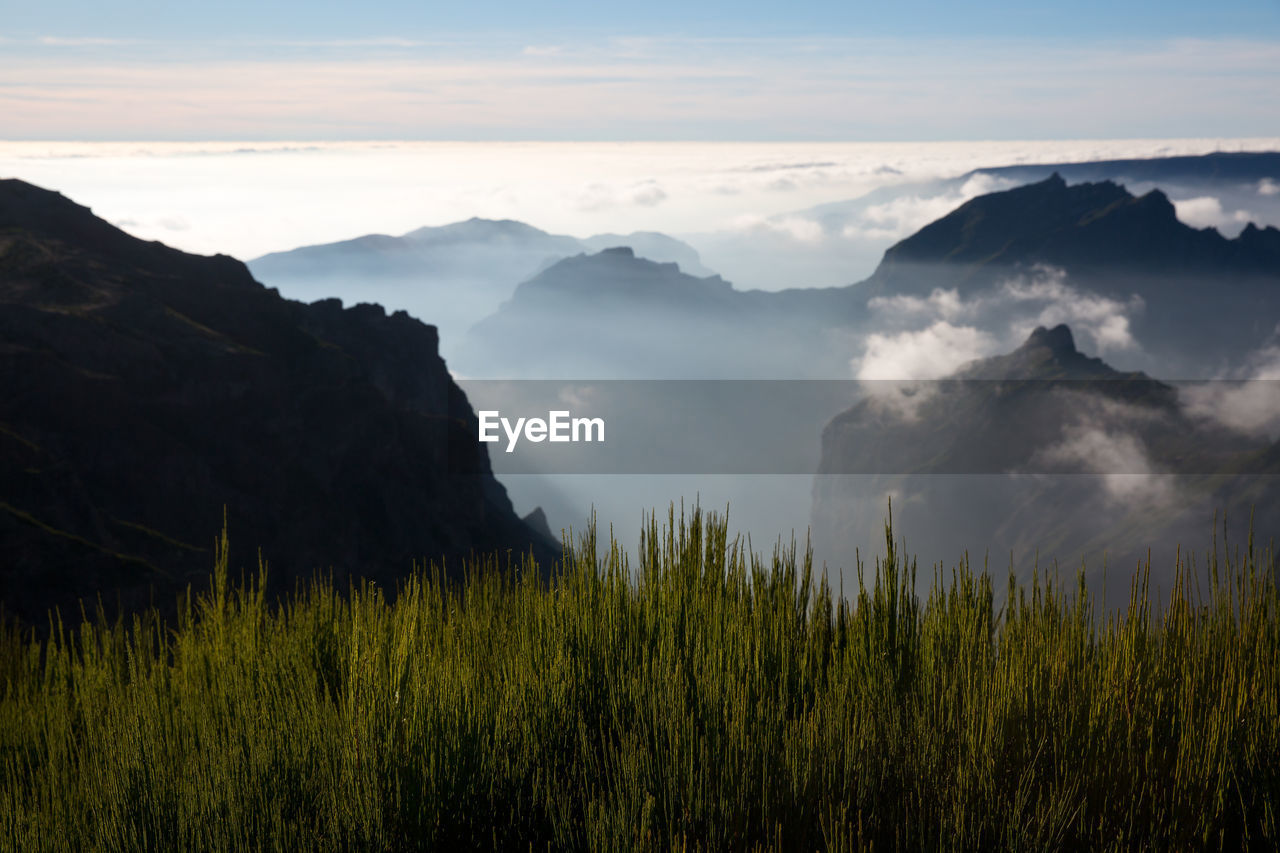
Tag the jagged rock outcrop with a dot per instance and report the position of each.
(1096, 231)
(145, 393)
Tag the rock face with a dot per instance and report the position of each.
(1196, 301)
(1093, 230)
(1040, 453)
(146, 394)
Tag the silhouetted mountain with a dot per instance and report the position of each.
(1047, 354)
(461, 248)
(1224, 190)
(455, 274)
(1060, 456)
(145, 393)
(1197, 301)
(616, 315)
(1098, 231)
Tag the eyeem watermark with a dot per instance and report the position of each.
(559, 426)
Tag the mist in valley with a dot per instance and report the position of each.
(516, 306)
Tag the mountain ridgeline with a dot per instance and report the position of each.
(616, 315)
(454, 275)
(148, 395)
(1062, 457)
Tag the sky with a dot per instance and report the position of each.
(247, 127)
(712, 71)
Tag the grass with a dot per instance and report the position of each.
(702, 698)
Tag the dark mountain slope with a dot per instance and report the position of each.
(1041, 453)
(1097, 231)
(144, 392)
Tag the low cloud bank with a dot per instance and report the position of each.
(1208, 212)
(1246, 399)
(933, 336)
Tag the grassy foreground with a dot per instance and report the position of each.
(705, 698)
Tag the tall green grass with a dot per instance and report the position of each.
(703, 698)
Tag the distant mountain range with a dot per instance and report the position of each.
(1137, 267)
(146, 395)
(454, 274)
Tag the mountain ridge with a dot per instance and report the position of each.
(1041, 453)
(1082, 227)
(147, 395)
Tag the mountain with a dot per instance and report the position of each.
(1042, 453)
(843, 241)
(616, 315)
(147, 395)
(1098, 231)
(456, 274)
(653, 246)
(1115, 264)
(1191, 302)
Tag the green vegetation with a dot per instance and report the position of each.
(704, 698)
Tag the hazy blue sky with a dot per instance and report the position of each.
(184, 19)
(179, 70)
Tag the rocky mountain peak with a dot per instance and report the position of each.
(1057, 340)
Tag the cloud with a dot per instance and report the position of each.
(648, 88)
(787, 167)
(400, 186)
(945, 304)
(1043, 297)
(1267, 186)
(648, 195)
(1248, 402)
(1104, 440)
(1207, 212)
(907, 214)
(928, 353)
(1118, 457)
(798, 229)
(599, 196)
(1101, 319)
